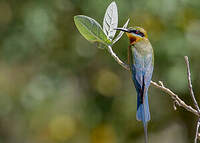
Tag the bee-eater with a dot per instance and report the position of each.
(141, 61)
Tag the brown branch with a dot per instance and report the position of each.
(198, 136)
(193, 97)
(176, 99)
(190, 84)
(117, 59)
(197, 131)
(174, 96)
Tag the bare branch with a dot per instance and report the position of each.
(198, 136)
(175, 97)
(190, 84)
(197, 131)
(177, 100)
(193, 97)
(117, 59)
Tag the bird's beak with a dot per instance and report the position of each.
(122, 29)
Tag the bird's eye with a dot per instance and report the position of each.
(141, 34)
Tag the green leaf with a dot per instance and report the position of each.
(110, 21)
(91, 29)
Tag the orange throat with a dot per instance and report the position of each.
(133, 39)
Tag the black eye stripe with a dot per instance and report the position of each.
(141, 34)
(137, 32)
(132, 31)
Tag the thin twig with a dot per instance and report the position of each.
(198, 136)
(174, 96)
(117, 59)
(192, 95)
(197, 131)
(190, 84)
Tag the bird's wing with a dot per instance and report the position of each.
(141, 68)
(148, 68)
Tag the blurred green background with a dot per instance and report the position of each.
(56, 87)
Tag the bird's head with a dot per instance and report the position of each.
(134, 34)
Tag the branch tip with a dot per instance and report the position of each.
(190, 84)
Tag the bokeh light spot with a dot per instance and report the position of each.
(108, 83)
(62, 127)
(193, 33)
(5, 13)
(103, 134)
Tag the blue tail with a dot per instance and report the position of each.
(143, 114)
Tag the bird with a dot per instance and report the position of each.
(141, 62)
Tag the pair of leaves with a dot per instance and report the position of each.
(92, 30)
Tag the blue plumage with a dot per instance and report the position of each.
(141, 61)
(141, 68)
